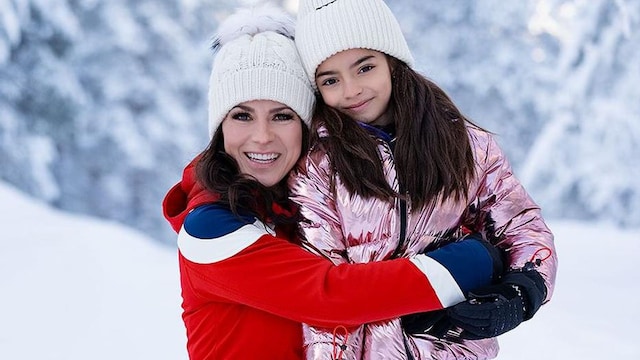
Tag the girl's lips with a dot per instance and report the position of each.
(358, 106)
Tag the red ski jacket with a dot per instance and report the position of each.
(246, 289)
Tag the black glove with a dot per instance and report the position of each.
(435, 322)
(496, 309)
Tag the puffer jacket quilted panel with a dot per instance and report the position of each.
(348, 228)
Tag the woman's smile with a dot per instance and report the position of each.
(263, 158)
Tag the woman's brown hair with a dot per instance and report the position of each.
(432, 152)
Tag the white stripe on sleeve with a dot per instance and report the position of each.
(207, 251)
(444, 285)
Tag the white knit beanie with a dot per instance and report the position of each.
(327, 27)
(257, 60)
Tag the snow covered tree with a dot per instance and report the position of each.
(102, 103)
(585, 162)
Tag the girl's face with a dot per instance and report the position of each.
(264, 137)
(357, 82)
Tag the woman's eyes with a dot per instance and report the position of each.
(242, 116)
(283, 117)
(245, 116)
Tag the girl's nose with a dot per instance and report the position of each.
(351, 88)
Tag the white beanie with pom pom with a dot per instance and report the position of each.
(257, 59)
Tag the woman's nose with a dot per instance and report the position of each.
(263, 132)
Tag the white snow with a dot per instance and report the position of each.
(76, 288)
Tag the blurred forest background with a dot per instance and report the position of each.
(102, 103)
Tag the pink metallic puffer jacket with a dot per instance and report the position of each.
(347, 228)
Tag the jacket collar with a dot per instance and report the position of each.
(185, 196)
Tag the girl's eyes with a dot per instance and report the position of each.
(366, 68)
(332, 81)
(328, 82)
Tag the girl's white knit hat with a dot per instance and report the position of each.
(257, 60)
(327, 27)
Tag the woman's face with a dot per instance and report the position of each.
(357, 82)
(264, 137)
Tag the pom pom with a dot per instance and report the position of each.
(252, 21)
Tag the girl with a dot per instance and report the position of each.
(398, 169)
(246, 286)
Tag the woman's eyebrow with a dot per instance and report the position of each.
(279, 109)
(243, 107)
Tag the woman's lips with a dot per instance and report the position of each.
(263, 158)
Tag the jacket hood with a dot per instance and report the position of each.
(185, 196)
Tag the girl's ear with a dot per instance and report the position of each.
(393, 65)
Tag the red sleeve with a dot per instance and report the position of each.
(281, 278)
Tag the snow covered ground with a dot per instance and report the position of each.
(73, 287)
(76, 288)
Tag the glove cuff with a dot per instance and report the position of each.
(530, 285)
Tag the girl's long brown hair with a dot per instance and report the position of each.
(432, 153)
(218, 172)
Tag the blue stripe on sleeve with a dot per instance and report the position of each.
(213, 221)
(441, 280)
(467, 261)
(212, 233)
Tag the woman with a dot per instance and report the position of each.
(246, 286)
(431, 175)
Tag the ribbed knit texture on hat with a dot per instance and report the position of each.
(327, 27)
(258, 66)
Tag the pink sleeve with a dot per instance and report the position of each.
(510, 216)
(311, 189)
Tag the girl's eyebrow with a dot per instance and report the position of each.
(355, 64)
(361, 60)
